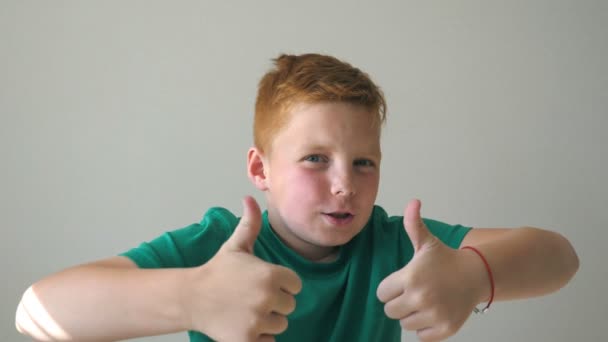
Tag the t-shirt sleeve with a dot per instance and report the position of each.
(451, 235)
(189, 246)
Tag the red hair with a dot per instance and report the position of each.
(310, 78)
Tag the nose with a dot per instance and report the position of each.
(342, 184)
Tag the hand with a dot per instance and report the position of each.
(237, 296)
(436, 291)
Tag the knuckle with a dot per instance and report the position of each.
(290, 274)
(297, 281)
(442, 331)
(262, 303)
(451, 328)
(413, 279)
(418, 298)
(266, 275)
(245, 222)
(388, 310)
(254, 323)
(282, 324)
(435, 315)
(291, 305)
(424, 298)
(252, 326)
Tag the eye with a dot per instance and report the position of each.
(315, 158)
(364, 163)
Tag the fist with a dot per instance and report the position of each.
(430, 295)
(239, 297)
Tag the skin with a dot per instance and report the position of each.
(325, 161)
(328, 158)
(233, 297)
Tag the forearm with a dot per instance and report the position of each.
(528, 262)
(101, 303)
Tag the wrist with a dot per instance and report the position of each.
(478, 275)
(490, 277)
(185, 295)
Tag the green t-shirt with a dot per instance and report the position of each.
(338, 300)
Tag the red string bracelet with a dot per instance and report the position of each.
(485, 262)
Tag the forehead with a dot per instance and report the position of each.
(331, 125)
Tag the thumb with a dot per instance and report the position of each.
(415, 228)
(246, 232)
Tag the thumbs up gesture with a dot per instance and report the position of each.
(237, 296)
(432, 294)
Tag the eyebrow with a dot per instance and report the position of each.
(320, 147)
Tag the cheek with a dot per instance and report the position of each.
(305, 185)
(370, 183)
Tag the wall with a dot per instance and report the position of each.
(121, 120)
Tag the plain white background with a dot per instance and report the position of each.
(120, 120)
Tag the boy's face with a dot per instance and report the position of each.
(321, 176)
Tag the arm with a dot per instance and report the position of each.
(234, 296)
(106, 300)
(435, 293)
(525, 262)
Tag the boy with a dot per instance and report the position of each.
(323, 263)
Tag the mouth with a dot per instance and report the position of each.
(339, 215)
(339, 218)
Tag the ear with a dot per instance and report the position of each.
(256, 171)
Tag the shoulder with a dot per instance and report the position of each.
(188, 246)
(450, 234)
(219, 215)
(380, 219)
(217, 224)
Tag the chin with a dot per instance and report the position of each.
(335, 241)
